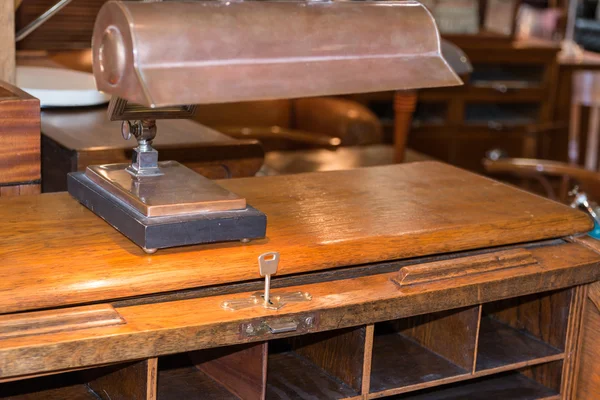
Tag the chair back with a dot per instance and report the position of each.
(586, 93)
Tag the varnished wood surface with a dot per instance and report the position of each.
(341, 353)
(50, 321)
(240, 369)
(413, 364)
(180, 380)
(588, 378)
(501, 345)
(56, 252)
(135, 381)
(19, 190)
(512, 386)
(449, 269)
(19, 136)
(294, 377)
(451, 334)
(187, 325)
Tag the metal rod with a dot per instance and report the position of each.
(267, 288)
(23, 33)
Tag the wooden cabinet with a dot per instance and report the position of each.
(19, 142)
(425, 282)
(511, 87)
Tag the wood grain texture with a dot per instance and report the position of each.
(315, 221)
(588, 374)
(413, 275)
(180, 379)
(511, 386)
(500, 346)
(19, 136)
(294, 377)
(71, 28)
(415, 367)
(136, 381)
(240, 369)
(573, 342)
(549, 375)
(20, 190)
(340, 353)
(542, 316)
(188, 325)
(7, 40)
(451, 334)
(52, 321)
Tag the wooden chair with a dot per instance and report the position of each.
(586, 93)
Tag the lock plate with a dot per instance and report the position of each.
(295, 325)
(276, 301)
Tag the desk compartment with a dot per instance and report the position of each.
(529, 329)
(515, 346)
(412, 353)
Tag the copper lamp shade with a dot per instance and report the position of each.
(160, 54)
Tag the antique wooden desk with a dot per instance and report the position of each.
(427, 282)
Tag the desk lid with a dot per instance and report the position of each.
(55, 252)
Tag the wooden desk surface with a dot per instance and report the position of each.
(55, 252)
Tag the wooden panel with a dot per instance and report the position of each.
(548, 375)
(588, 377)
(414, 367)
(179, 379)
(511, 386)
(19, 190)
(57, 387)
(136, 381)
(188, 325)
(7, 41)
(240, 369)
(316, 221)
(451, 334)
(448, 269)
(500, 346)
(19, 136)
(293, 377)
(342, 354)
(9, 191)
(71, 28)
(61, 320)
(544, 316)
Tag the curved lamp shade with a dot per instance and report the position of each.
(161, 54)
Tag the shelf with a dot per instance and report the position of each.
(512, 386)
(290, 376)
(400, 362)
(54, 387)
(500, 345)
(178, 379)
(498, 113)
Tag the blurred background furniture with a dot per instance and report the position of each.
(582, 171)
(510, 88)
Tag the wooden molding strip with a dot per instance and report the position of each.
(594, 294)
(447, 269)
(52, 321)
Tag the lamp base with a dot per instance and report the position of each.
(157, 232)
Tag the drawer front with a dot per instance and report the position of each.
(377, 293)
